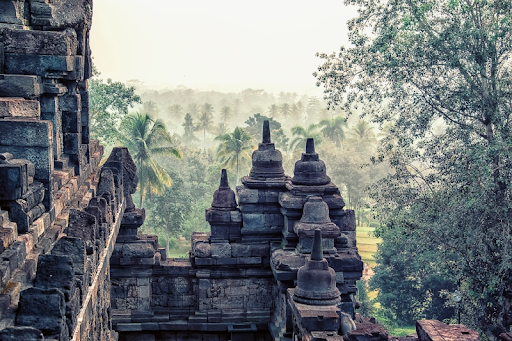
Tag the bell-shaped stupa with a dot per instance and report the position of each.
(224, 197)
(316, 217)
(316, 281)
(310, 170)
(267, 161)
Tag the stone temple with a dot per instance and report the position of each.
(280, 263)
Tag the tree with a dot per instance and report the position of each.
(193, 110)
(205, 123)
(273, 110)
(108, 104)
(255, 124)
(302, 134)
(285, 110)
(167, 212)
(333, 129)
(365, 304)
(235, 148)
(145, 138)
(150, 108)
(225, 114)
(446, 61)
(190, 128)
(176, 112)
(363, 131)
(221, 129)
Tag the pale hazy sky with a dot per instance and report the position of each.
(228, 45)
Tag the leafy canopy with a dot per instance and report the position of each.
(418, 64)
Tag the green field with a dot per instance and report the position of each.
(366, 244)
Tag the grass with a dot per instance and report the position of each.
(181, 251)
(367, 244)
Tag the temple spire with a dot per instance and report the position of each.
(310, 146)
(224, 178)
(317, 253)
(266, 132)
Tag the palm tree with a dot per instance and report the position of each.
(294, 111)
(176, 112)
(146, 137)
(285, 110)
(207, 108)
(193, 109)
(190, 128)
(225, 114)
(205, 123)
(334, 129)
(150, 108)
(301, 109)
(237, 107)
(302, 134)
(362, 130)
(221, 129)
(235, 148)
(273, 110)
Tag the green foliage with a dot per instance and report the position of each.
(167, 212)
(255, 125)
(145, 138)
(235, 150)
(425, 63)
(365, 304)
(302, 134)
(334, 129)
(190, 128)
(108, 103)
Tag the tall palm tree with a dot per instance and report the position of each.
(146, 137)
(150, 108)
(273, 110)
(207, 108)
(225, 114)
(221, 129)
(205, 123)
(334, 129)
(302, 110)
(193, 109)
(176, 112)
(302, 134)
(237, 107)
(294, 111)
(190, 128)
(235, 148)
(363, 130)
(285, 110)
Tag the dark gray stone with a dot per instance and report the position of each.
(55, 271)
(21, 333)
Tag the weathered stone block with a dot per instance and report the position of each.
(138, 250)
(20, 85)
(25, 132)
(82, 225)
(253, 220)
(41, 42)
(71, 121)
(47, 66)
(240, 250)
(348, 221)
(21, 333)
(74, 248)
(221, 250)
(15, 255)
(43, 309)
(202, 250)
(19, 107)
(55, 271)
(433, 330)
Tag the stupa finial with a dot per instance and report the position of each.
(266, 132)
(310, 146)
